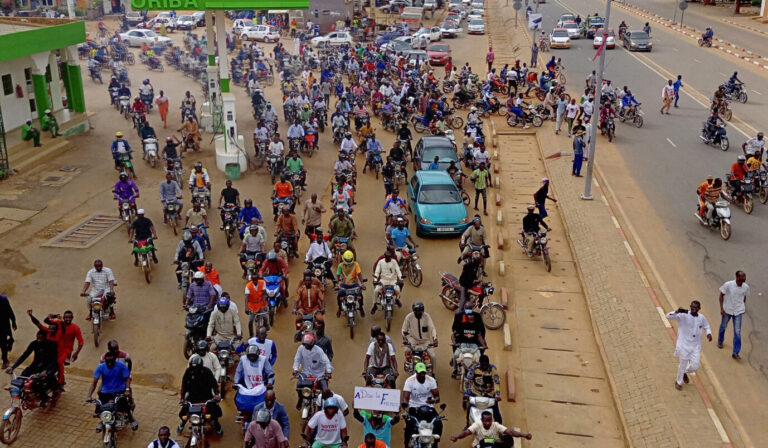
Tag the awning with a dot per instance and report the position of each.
(278, 11)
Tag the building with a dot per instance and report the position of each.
(39, 70)
(324, 13)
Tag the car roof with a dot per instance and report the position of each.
(430, 141)
(559, 29)
(434, 177)
(569, 22)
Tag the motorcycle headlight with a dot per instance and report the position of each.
(97, 306)
(194, 419)
(106, 416)
(318, 272)
(543, 240)
(306, 392)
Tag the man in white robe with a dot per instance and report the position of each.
(688, 347)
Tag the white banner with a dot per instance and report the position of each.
(375, 399)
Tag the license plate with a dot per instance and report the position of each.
(445, 229)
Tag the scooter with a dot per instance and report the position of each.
(273, 288)
(150, 151)
(720, 218)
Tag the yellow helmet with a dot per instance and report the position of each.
(348, 256)
(119, 134)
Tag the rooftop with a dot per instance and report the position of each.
(23, 36)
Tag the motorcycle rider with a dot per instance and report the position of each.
(163, 439)
(269, 115)
(265, 432)
(421, 393)
(627, 102)
(488, 429)
(701, 191)
(711, 195)
(190, 251)
(267, 347)
(380, 360)
(404, 135)
(101, 281)
(229, 196)
(467, 328)
(737, 174)
(377, 428)
(191, 130)
(146, 93)
(142, 229)
(275, 265)
(319, 251)
(296, 132)
(349, 275)
(733, 82)
(330, 424)
(199, 178)
(342, 226)
(387, 273)
(394, 207)
(201, 293)
(224, 324)
(606, 112)
(247, 214)
(476, 236)
(253, 376)
(310, 299)
(138, 107)
(44, 361)
(170, 193)
(146, 131)
(255, 302)
(115, 386)
(419, 330)
(120, 146)
(398, 238)
(125, 190)
(348, 145)
(754, 146)
(311, 361)
(482, 380)
(276, 410)
(373, 148)
(295, 166)
(531, 223)
(712, 124)
(199, 385)
(339, 122)
(188, 104)
(282, 193)
(253, 245)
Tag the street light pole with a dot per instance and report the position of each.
(674, 11)
(595, 116)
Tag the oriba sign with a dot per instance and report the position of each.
(167, 4)
(199, 5)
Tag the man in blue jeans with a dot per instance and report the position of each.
(733, 304)
(676, 86)
(541, 195)
(115, 386)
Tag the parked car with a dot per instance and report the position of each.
(134, 18)
(386, 37)
(137, 37)
(334, 38)
(417, 57)
(567, 17)
(559, 38)
(434, 145)
(598, 40)
(637, 40)
(186, 23)
(168, 22)
(240, 24)
(433, 34)
(199, 17)
(450, 29)
(439, 53)
(476, 26)
(430, 5)
(399, 41)
(574, 32)
(263, 33)
(394, 6)
(437, 205)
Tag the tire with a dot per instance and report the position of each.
(419, 127)
(701, 42)
(9, 429)
(174, 225)
(451, 293)
(502, 110)
(223, 386)
(638, 121)
(351, 328)
(457, 104)
(228, 234)
(152, 161)
(511, 121)
(457, 122)
(763, 195)
(725, 230)
(388, 319)
(743, 97)
(548, 262)
(504, 89)
(749, 205)
(537, 121)
(493, 316)
(129, 59)
(561, 78)
(610, 135)
(415, 276)
(540, 95)
(724, 143)
(148, 271)
(728, 114)
(96, 334)
(188, 348)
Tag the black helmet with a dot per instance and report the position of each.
(202, 345)
(418, 306)
(195, 360)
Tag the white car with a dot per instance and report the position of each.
(479, 4)
(574, 32)
(450, 29)
(432, 34)
(402, 39)
(559, 39)
(476, 26)
(334, 38)
(475, 14)
(135, 38)
(598, 40)
(158, 22)
(186, 23)
(567, 17)
(264, 33)
(240, 24)
(199, 18)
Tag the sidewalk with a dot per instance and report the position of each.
(634, 340)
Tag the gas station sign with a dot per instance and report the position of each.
(200, 5)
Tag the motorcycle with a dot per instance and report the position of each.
(275, 166)
(295, 144)
(725, 111)
(95, 74)
(410, 267)
(282, 204)
(448, 86)
(225, 351)
(349, 303)
(111, 421)
(202, 195)
(533, 117)
(144, 250)
(288, 243)
(171, 213)
(125, 106)
(251, 264)
(188, 142)
(26, 393)
(374, 162)
(633, 115)
(742, 197)
(311, 395)
(705, 42)
(496, 107)
(273, 288)
(261, 152)
(318, 271)
(399, 176)
(230, 222)
(420, 124)
(608, 128)
(338, 135)
(341, 245)
(385, 299)
(761, 184)
(492, 313)
(737, 92)
(720, 218)
(201, 423)
(310, 142)
(138, 119)
(127, 214)
(380, 381)
(414, 355)
(539, 247)
(101, 309)
(196, 324)
(186, 271)
(467, 356)
(173, 166)
(114, 98)
(147, 100)
(424, 436)
(718, 137)
(150, 151)
(478, 405)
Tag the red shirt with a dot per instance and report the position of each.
(66, 338)
(739, 171)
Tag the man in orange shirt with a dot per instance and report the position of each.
(310, 298)
(283, 191)
(255, 302)
(211, 275)
(701, 191)
(371, 442)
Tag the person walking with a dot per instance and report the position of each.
(562, 103)
(534, 54)
(7, 326)
(571, 112)
(541, 195)
(481, 177)
(667, 96)
(578, 155)
(676, 86)
(733, 304)
(162, 107)
(688, 346)
(489, 57)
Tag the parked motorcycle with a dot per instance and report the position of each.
(718, 137)
(720, 218)
(539, 247)
(492, 313)
(27, 393)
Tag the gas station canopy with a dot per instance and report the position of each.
(200, 5)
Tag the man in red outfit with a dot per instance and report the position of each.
(63, 332)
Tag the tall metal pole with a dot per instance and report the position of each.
(595, 116)
(682, 14)
(674, 11)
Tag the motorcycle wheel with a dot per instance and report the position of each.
(189, 348)
(457, 104)
(129, 59)
(561, 78)
(548, 262)
(763, 195)
(223, 386)
(749, 205)
(728, 114)
(457, 122)
(537, 121)
(493, 316)
(450, 298)
(388, 319)
(511, 121)
(540, 94)
(147, 271)
(610, 135)
(502, 110)
(351, 325)
(638, 121)
(97, 333)
(9, 430)
(273, 178)
(725, 231)
(152, 161)
(174, 223)
(701, 42)
(271, 317)
(415, 276)
(419, 127)
(724, 144)
(743, 97)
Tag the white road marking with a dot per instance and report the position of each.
(756, 92)
(676, 49)
(696, 60)
(672, 143)
(719, 426)
(663, 317)
(629, 249)
(723, 74)
(615, 222)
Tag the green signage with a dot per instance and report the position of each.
(200, 5)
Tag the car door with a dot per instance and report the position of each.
(413, 190)
(436, 33)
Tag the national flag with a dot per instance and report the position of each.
(602, 46)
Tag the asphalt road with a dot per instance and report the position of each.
(659, 166)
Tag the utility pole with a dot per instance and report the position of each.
(674, 11)
(595, 116)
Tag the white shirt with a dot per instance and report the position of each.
(276, 148)
(688, 344)
(328, 431)
(734, 297)
(171, 444)
(318, 249)
(100, 280)
(668, 92)
(211, 362)
(480, 156)
(373, 362)
(588, 107)
(419, 392)
(754, 145)
(571, 110)
(262, 134)
(494, 432)
(343, 406)
(348, 145)
(387, 273)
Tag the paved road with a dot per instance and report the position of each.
(665, 160)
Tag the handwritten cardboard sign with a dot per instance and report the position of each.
(375, 399)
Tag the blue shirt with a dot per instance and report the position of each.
(201, 295)
(384, 433)
(112, 380)
(200, 240)
(629, 100)
(677, 85)
(433, 166)
(578, 146)
(248, 213)
(399, 236)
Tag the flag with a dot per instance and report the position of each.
(602, 46)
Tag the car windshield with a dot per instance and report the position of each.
(571, 25)
(640, 35)
(186, 18)
(439, 194)
(559, 33)
(476, 22)
(440, 48)
(150, 33)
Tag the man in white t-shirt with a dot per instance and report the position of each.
(754, 146)
(380, 360)
(487, 429)
(343, 406)
(421, 393)
(733, 304)
(330, 424)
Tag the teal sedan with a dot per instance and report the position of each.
(437, 204)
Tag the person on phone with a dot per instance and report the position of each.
(688, 347)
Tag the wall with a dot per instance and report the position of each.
(16, 110)
(338, 10)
